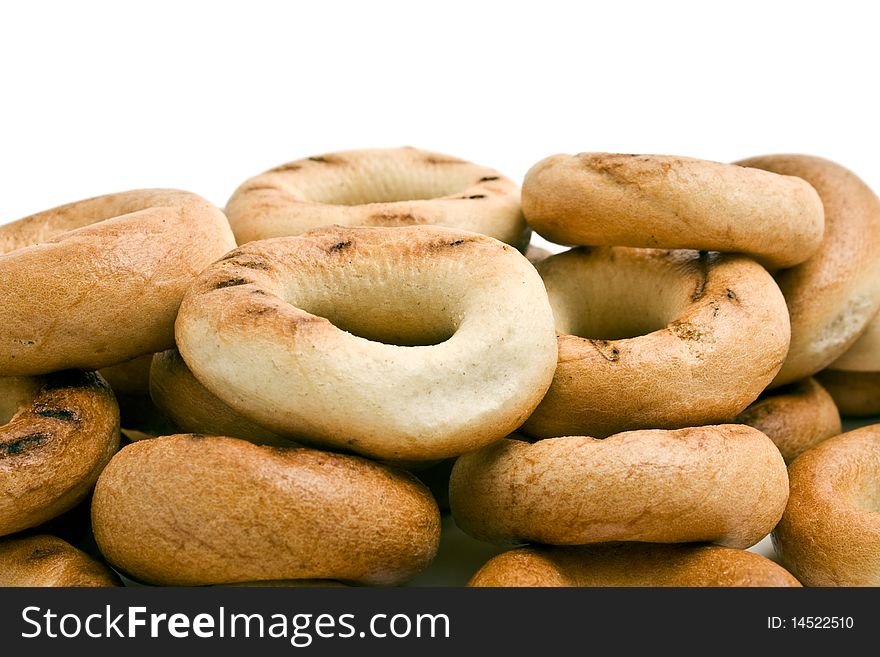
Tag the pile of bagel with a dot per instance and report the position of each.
(261, 395)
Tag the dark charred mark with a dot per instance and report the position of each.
(260, 188)
(63, 414)
(457, 242)
(320, 158)
(22, 444)
(259, 292)
(193, 436)
(230, 282)
(475, 196)
(488, 178)
(290, 166)
(686, 331)
(252, 264)
(704, 265)
(260, 310)
(731, 295)
(24, 342)
(339, 246)
(42, 553)
(607, 350)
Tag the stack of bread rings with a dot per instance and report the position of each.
(365, 338)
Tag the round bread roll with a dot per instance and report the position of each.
(189, 510)
(441, 341)
(864, 355)
(830, 532)
(856, 394)
(723, 484)
(605, 199)
(657, 339)
(832, 296)
(193, 408)
(69, 278)
(631, 564)
(48, 561)
(57, 432)
(377, 187)
(795, 417)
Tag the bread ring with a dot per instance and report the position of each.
(712, 331)
(193, 408)
(856, 394)
(830, 532)
(130, 378)
(795, 417)
(604, 199)
(252, 329)
(832, 296)
(377, 187)
(57, 433)
(222, 510)
(723, 484)
(49, 561)
(864, 355)
(631, 564)
(69, 276)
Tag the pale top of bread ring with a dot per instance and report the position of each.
(63, 431)
(441, 341)
(377, 187)
(222, 510)
(631, 564)
(833, 295)
(48, 561)
(724, 484)
(606, 199)
(71, 276)
(830, 532)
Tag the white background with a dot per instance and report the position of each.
(99, 97)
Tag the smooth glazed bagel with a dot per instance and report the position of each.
(377, 187)
(864, 355)
(631, 564)
(856, 394)
(441, 341)
(795, 417)
(710, 332)
(193, 408)
(830, 532)
(222, 510)
(71, 277)
(604, 199)
(832, 296)
(49, 561)
(57, 433)
(723, 484)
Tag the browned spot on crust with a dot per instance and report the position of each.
(260, 188)
(730, 294)
(393, 218)
(290, 166)
(42, 553)
(686, 331)
(475, 196)
(24, 443)
(433, 159)
(254, 263)
(230, 282)
(606, 349)
(488, 178)
(326, 159)
(339, 246)
(55, 413)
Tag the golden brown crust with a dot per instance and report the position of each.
(631, 564)
(711, 332)
(723, 484)
(222, 510)
(377, 187)
(59, 439)
(830, 532)
(606, 199)
(795, 417)
(832, 296)
(48, 561)
(193, 408)
(69, 274)
(856, 394)
(339, 336)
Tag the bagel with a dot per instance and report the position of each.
(864, 355)
(631, 564)
(605, 199)
(657, 339)
(832, 296)
(830, 532)
(856, 394)
(220, 510)
(536, 254)
(69, 278)
(57, 432)
(377, 187)
(131, 378)
(192, 408)
(442, 341)
(795, 417)
(48, 561)
(722, 484)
